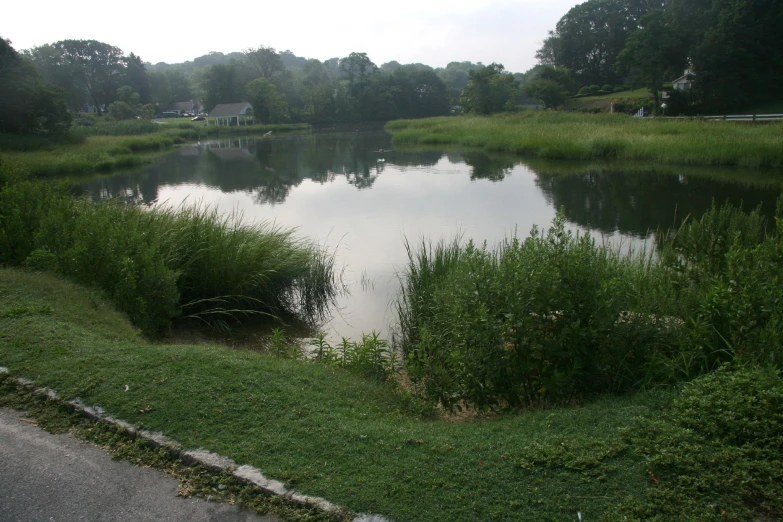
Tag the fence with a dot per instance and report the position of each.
(746, 117)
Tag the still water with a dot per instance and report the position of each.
(354, 192)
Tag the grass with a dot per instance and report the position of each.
(320, 429)
(106, 146)
(559, 135)
(372, 448)
(57, 417)
(164, 263)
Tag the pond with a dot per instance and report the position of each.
(354, 192)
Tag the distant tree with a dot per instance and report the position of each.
(134, 76)
(390, 66)
(28, 104)
(99, 66)
(455, 77)
(588, 38)
(550, 50)
(550, 92)
(374, 97)
(220, 84)
(268, 105)
(652, 54)
(490, 89)
(128, 105)
(264, 62)
(317, 87)
(54, 68)
(180, 85)
(419, 93)
(356, 66)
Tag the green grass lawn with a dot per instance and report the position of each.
(324, 431)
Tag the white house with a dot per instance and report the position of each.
(231, 114)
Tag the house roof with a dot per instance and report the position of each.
(230, 110)
(688, 76)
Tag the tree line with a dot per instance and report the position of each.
(733, 47)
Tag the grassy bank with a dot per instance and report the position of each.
(105, 146)
(159, 264)
(557, 135)
(362, 445)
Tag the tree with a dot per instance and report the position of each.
(135, 77)
(220, 84)
(265, 62)
(490, 89)
(588, 38)
(419, 93)
(99, 67)
(268, 105)
(550, 92)
(27, 104)
(355, 66)
(128, 105)
(652, 54)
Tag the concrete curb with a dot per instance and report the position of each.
(199, 456)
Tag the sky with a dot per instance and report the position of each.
(433, 32)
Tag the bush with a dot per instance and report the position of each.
(594, 89)
(620, 88)
(539, 321)
(585, 91)
(717, 454)
(607, 88)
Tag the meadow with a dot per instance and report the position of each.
(575, 136)
(96, 145)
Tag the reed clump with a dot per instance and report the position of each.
(574, 136)
(159, 264)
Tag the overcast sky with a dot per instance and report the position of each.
(433, 32)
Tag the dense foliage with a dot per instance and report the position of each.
(556, 317)
(27, 103)
(733, 47)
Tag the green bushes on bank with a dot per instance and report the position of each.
(556, 317)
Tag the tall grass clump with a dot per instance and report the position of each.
(158, 264)
(728, 267)
(228, 268)
(545, 320)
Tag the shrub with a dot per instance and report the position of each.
(585, 91)
(620, 88)
(533, 322)
(607, 88)
(594, 89)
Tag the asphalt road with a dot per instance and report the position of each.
(45, 477)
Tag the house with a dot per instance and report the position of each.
(231, 114)
(684, 82)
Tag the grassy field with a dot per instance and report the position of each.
(559, 135)
(106, 146)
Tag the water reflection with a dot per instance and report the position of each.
(354, 191)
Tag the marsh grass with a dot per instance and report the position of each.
(162, 263)
(106, 146)
(556, 135)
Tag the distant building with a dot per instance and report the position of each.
(683, 83)
(227, 114)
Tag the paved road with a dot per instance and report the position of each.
(45, 477)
